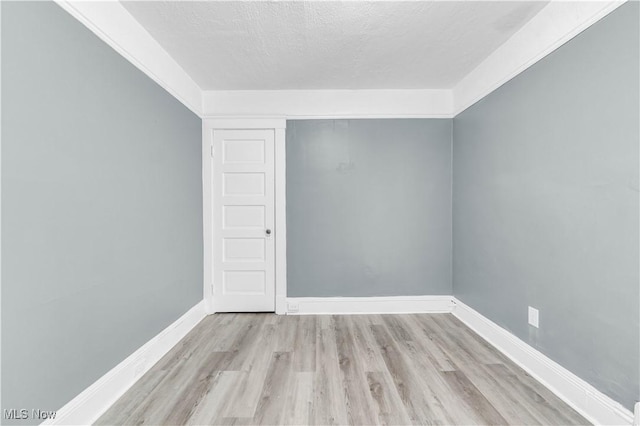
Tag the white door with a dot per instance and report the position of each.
(243, 221)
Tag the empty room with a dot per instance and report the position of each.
(320, 212)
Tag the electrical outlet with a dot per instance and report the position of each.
(292, 307)
(534, 317)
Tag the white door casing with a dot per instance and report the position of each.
(213, 263)
(243, 220)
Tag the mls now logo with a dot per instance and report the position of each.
(23, 414)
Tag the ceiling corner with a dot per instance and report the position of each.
(552, 27)
(111, 22)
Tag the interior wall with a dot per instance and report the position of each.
(545, 205)
(368, 207)
(101, 207)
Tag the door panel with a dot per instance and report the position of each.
(243, 152)
(243, 217)
(244, 282)
(243, 183)
(244, 250)
(243, 211)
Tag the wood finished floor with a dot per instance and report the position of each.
(265, 369)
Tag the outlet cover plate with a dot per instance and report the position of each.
(534, 317)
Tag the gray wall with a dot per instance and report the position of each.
(545, 209)
(101, 207)
(368, 207)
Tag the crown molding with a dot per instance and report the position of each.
(298, 104)
(552, 27)
(114, 25)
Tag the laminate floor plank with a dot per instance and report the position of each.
(286, 332)
(544, 403)
(439, 390)
(421, 404)
(354, 381)
(264, 369)
(235, 421)
(329, 406)
(190, 343)
(244, 394)
(130, 402)
(458, 327)
(500, 392)
(432, 349)
(366, 344)
(227, 333)
(388, 404)
(472, 346)
(299, 403)
(215, 399)
(242, 348)
(476, 402)
(271, 406)
(536, 391)
(515, 380)
(460, 359)
(304, 351)
(502, 396)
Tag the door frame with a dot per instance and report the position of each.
(278, 125)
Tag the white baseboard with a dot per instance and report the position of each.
(96, 399)
(583, 397)
(281, 305)
(368, 305)
(580, 395)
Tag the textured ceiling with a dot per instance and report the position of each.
(331, 45)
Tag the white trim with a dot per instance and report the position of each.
(89, 405)
(281, 220)
(369, 305)
(207, 215)
(244, 123)
(112, 23)
(1, 200)
(577, 393)
(553, 26)
(297, 104)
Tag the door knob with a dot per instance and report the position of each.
(268, 231)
